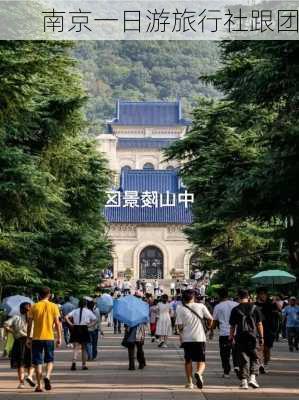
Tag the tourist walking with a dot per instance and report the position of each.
(43, 316)
(173, 304)
(148, 287)
(153, 313)
(116, 323)
(94, 330)
(270, 312)
(291, 315)
(178, 288)
(66, 308)
(190, 319)
(20, 357)
(79, 321)
(156, 288)
(163, 329)
(221, 316)
(134, 339)
(172, 288)
(126, 288)
(246, 324)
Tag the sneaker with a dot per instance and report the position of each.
(164, 346)
(38, 390)
(252, 382)
(160, 344)
(73, 367)
(153, 340)
(263, 370)
(47, 383)
(21, 386)
(226, 376)
(189, 386)
(244, 384)
(199, 380)
(30, 381)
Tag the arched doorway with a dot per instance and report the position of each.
(148, 165)
(125, 168)
(151, 263)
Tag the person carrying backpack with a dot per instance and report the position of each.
(245, 325)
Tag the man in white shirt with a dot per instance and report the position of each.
(172, 288)
(221, 316)
(126, 287)
(190, 321)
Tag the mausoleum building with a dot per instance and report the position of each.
(148, 207)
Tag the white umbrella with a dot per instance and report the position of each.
(12, 304)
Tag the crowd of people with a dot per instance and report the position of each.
(247, 328)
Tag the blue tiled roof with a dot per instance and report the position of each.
(144, 143)
(148, 113)
(150, 180)
(166, 215)
(160, 181)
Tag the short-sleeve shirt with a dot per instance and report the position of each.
(292, 316)
(222, 312)
(87, 316)
(18, 324)
(236, 317)
(44, 314)
(270, 315)
(67, 307)
(193, 330)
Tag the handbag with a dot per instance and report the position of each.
(130, 337)
(199, 317)
(125, 342)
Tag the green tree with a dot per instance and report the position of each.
(241, 161)
(52, 179)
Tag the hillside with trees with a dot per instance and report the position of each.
(144, 70)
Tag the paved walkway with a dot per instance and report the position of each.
(162, 379)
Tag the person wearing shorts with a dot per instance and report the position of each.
(43, 316)
(190, 321)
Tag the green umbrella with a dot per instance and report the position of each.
(273, 277)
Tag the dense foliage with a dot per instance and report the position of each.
(144, 70)
(241, 161)
(52, 179)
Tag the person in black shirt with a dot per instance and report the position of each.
(246, 323)
(270, 318)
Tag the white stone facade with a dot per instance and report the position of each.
(130, 239)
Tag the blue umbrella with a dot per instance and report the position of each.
(131, 311)
(105, 303)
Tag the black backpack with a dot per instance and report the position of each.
(247, 331)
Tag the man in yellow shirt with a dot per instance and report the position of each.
(44, 316)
